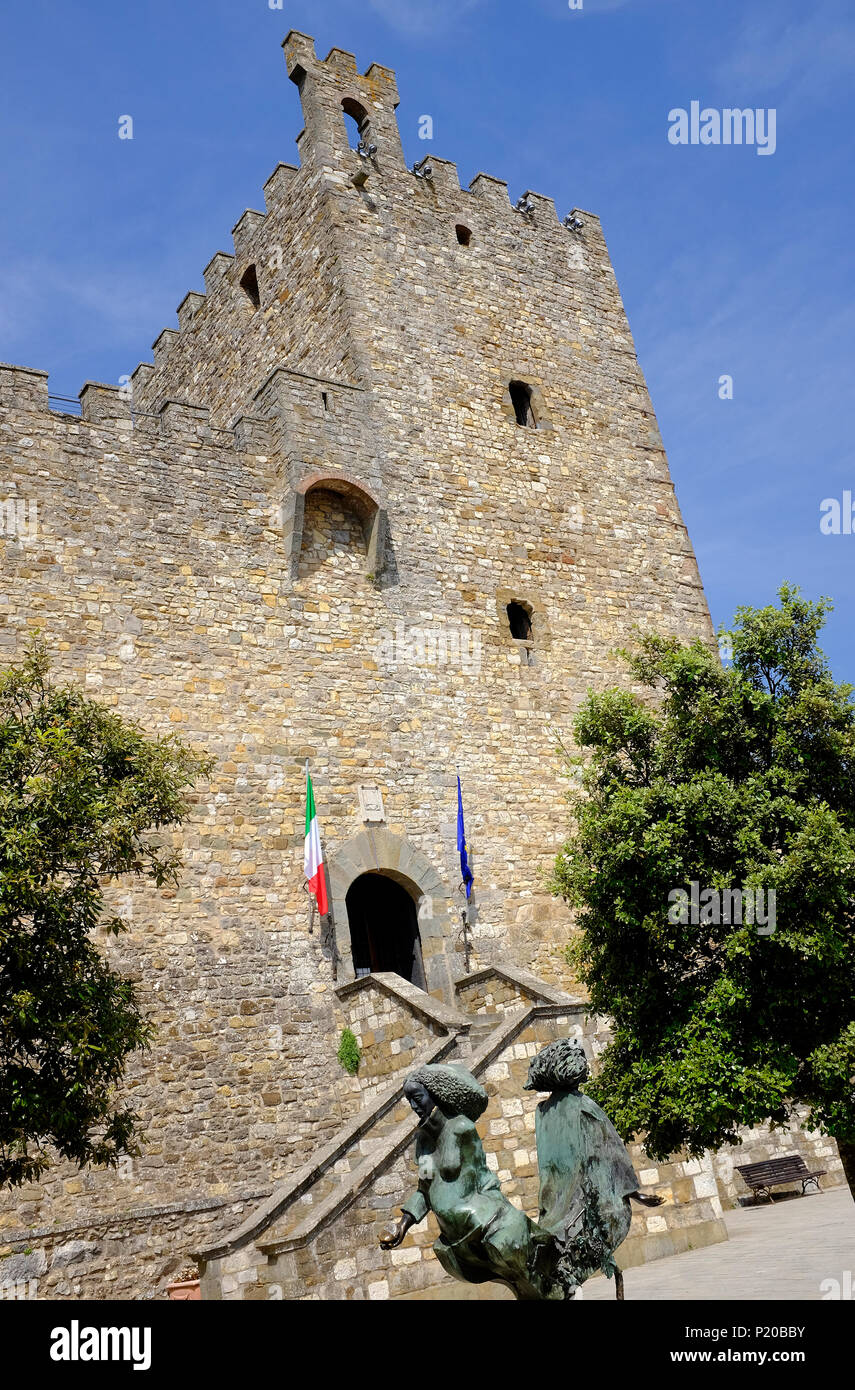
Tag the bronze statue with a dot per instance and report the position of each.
(586, 1181)
(586, 1175)
(482, 1235)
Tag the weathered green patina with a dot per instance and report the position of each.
(586, 1176)
(586, 1180)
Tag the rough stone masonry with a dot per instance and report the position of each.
(399, 409)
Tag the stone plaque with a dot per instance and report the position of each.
(371, 805)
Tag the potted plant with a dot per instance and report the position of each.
(186, 1286)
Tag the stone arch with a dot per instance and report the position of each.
(358, 498)
(378, 850)
(356, 120)
(334, 534)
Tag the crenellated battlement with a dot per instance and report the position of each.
(340, 65)
(245, 229)
(251, 295)
(217, 267)
(262, 275)
(23, 388)
(276, 189)
(24, 392)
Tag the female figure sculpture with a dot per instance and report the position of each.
(482, 1235)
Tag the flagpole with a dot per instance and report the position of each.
(311, 899)
(464, 911)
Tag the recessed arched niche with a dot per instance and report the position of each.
(334, 520)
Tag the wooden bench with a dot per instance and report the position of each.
(762, 1177)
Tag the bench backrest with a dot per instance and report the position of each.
(792, 1167)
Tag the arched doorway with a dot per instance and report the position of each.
(384, 928)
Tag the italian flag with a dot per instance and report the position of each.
(313, 858)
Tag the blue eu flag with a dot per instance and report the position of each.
(465, 871)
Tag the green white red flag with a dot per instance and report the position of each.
(313, 855)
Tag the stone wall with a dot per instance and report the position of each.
(492, 995)
(129, 1256)
(394, 1024)
(300, 544)
(342, 1259)
(761, 1143)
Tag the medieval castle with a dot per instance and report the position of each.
(387, 500)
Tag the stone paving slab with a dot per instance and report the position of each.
(782, 1250)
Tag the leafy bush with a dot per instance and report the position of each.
(348, 1052)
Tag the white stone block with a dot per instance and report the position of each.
(346, 1269)
(497, 1072)
(409, 1256)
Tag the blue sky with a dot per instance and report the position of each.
(729, 262)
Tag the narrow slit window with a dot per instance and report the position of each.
(521, 402)
(326, 400)
(249, 285)
(519, 621)
(464, 234)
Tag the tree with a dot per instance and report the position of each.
(81, 789)
(738, 778)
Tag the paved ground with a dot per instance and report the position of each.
(785, 1249)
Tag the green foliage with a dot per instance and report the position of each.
(348, 1052)
(80, 790)
(730, 778)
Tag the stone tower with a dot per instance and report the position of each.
(387, 500)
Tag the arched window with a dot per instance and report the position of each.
(249, 285)
(355, 121)
(520, 395)
(519, 621)
(464, 234)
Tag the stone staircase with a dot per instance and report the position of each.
(316, 1235)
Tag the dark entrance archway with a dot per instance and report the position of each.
(384, 928)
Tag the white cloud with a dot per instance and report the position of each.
(423, 17)
(809, 54)
(36, 293)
